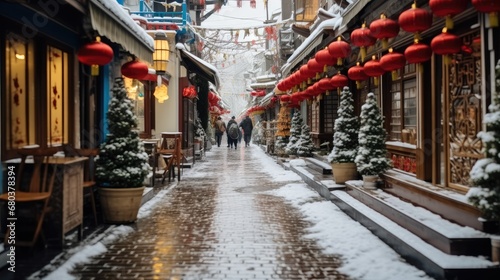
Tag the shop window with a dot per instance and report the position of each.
(135, 92)
(315, 111)
(28, 84)
(20, 97)
(57, 96)
(403, 111)
(330, 103)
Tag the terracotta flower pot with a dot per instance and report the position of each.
(120, 205)
(343, 172)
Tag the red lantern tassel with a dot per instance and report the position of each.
(449, 22)
(363, 53)
(94, 70)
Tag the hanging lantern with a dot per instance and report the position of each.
(415, 20)
(315, 67)
(393, 61)
(356, 73)
(95, 54)
(324, 85)
(418, 53)
(373, 69)
(339, 81)
(189, 92)
(134, 69)
(161, 93)
(324, 58)
(383, 29)
(339, 50)
(490, 7)
(446, 44)
(362, 38)
(306, 74)
(285, 98)
(448, 9)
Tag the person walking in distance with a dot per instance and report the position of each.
(232, 133)
(247, 127)
(220, 127)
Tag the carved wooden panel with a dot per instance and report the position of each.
(465, 113)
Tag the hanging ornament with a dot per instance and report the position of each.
(238, 3)
(356, 73)
(253, 4)
(306, 73)
(415, 20)
(256, 31)
(446, 44)
(247, 33)
(373, 69)
(393, 61)
(418, 53)
(324, 58)
(134, 69)
(490, 7)
(383, 29)
(315, 67)
(237, 35)
(362, 38)
(339, 81)
(448, 9)
(95, 54)
(325, 85)
(339, 49)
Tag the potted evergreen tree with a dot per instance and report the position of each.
(371, 159)
(305, 145)
(122, 165)
(485, 174)
(345, 140)
(295, 132)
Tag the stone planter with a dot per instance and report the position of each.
(370, 182)
(120, 205)
(343, 172)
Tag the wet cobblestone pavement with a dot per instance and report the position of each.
(217, 224)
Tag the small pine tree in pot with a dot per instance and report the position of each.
(305, 145)
(295, 132)
(485, 174)
(122, 165)
(371, 158)
(345, 140)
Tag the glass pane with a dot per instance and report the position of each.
(20, 100)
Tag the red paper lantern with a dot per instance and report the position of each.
(392, 61)
(135, 69)
(356, 73)
(339, 81)
(383, 29)
(446, 44)
(418, 53)
(95, 54)
(324, 58)
(285, 98)
(189, 92)
(324, 85)
(415, 20)
(362, 38)
(306, 74)
(447, 9)
(339, 50)
(373, 69)
(490, 7)
(315, 67)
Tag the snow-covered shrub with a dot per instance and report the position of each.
(346, 127)
(122, 161)
(305, 145)
(371, 158)
(295, 132)
(485, 174)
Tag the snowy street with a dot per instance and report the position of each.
(236, 215)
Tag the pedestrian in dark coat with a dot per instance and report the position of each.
(232, 134)
(220, 127)
(247, 127)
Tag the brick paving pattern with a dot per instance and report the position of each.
(217, 224)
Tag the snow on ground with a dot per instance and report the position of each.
(364, 256)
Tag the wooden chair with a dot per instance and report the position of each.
(88, 176)
(171, 145)
(36, 194)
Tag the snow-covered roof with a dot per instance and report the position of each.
(310, 43)
(263, 85)
(265, 78)
(208, 69)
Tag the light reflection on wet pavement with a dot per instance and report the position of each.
(217, 224)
